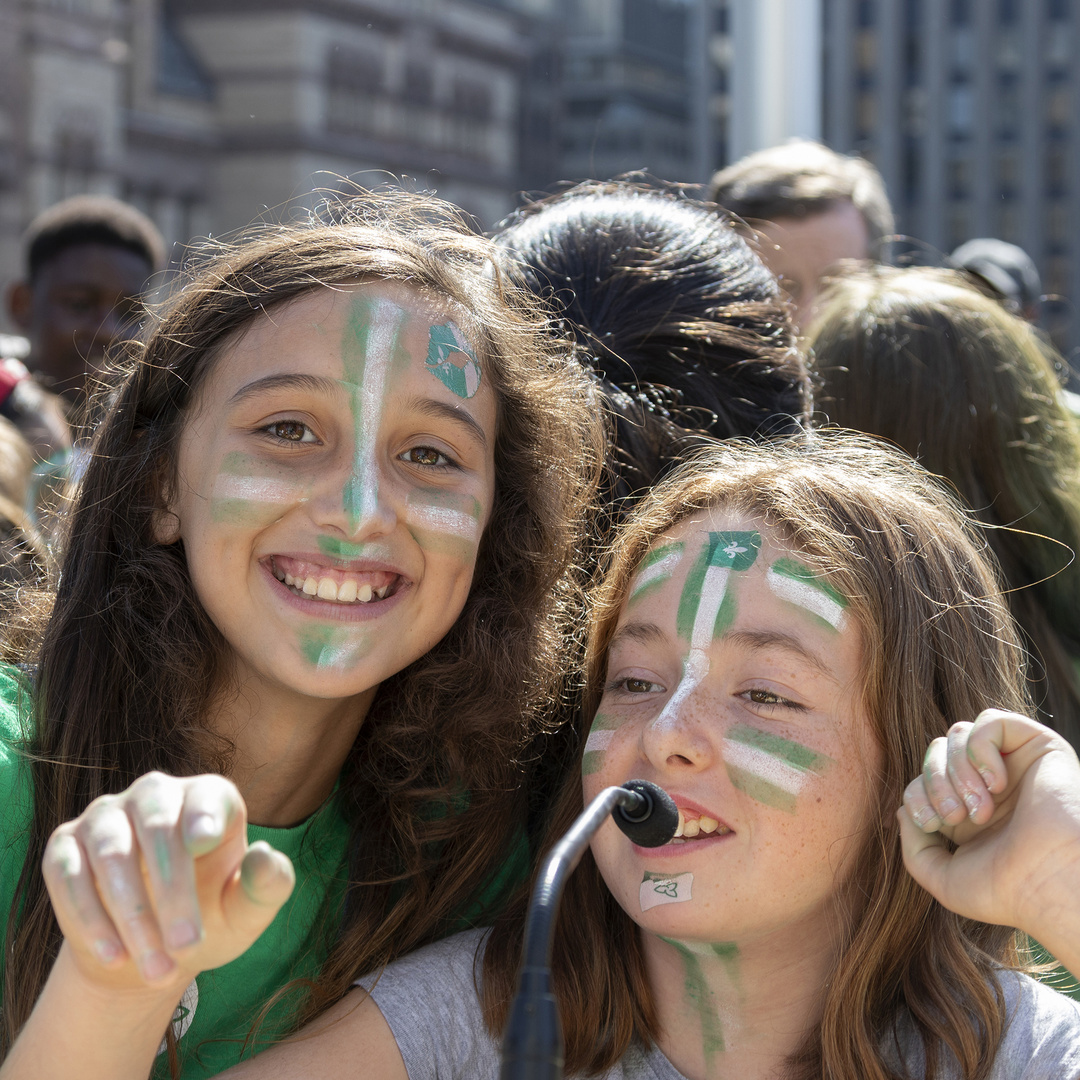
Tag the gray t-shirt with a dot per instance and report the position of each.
(430, 1001)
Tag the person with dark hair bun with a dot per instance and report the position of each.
(681, 321)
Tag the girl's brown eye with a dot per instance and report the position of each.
(639, 686)
(425, 455)
(765, 697)
(291, 430)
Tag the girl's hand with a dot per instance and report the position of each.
(157, 883)
(1006, 790)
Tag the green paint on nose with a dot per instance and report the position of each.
(339, 549)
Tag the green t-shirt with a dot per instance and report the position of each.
(218, 1010)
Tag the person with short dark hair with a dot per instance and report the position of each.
(809, 207)
(87, 260)
(1006, 269)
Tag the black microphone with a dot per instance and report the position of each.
(532, 1046)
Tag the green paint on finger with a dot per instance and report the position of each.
(163, 858)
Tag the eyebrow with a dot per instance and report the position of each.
(758, 640)
(442, 411)
(311, 383)
(645, 633)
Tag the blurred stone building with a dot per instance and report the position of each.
(207, 113)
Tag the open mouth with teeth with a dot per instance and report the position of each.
(314, 582)
(693, 826)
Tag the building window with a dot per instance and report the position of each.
(354, 81)
(418, 87)
(961, 110)
(1008, 221)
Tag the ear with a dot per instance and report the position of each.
(165, 526)
(165, 522)
(20, 304)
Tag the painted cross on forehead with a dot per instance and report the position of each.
(705, 610)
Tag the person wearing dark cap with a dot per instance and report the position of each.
(1008, 270)
(88, 259)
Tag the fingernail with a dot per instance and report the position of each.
(949, 807)
(925, 816)
(106, 951)
(987, 775)
(203, 827)
(182, 933)
(972, 802)
(155, 965)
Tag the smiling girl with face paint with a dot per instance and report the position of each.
(324, 548)
(781, 633)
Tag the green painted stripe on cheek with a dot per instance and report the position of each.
(794, 753)
(592, 761)
(761, 790)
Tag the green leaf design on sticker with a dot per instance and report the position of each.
(445, 349)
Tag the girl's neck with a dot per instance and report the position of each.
(289, 747)
(731, 1011)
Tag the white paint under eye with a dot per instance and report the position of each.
(765, 766)
(673, 890)
(443, 519)
(806, 596)
(253, 488)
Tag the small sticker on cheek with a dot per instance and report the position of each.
(659, 889)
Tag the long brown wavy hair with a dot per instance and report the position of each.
(129, 658)
(919, 357)
(940, 646)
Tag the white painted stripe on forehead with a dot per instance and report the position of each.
(806, 596)
(443, 519)
(253, 488)
(600, 739)
(380, 344)
(713, 588)
(662, 568)
(764, 765)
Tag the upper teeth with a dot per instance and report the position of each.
(690, 827)
(327, 588)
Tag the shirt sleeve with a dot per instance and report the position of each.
(431, 1002)
(1042, 1041)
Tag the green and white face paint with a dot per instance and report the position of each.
(703, 613)
(657, 567)
(660, 888)
(371, 344)
(249, 490)
(799, 585)
(445, 520)
(451, 360)
(769, 768)
(701, 998)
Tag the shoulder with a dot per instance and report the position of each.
(431, 1003)
(1043, 1034)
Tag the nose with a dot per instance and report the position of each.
(678, 738)
(357, 497)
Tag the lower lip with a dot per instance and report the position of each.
(673, 851)
(335, 612)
